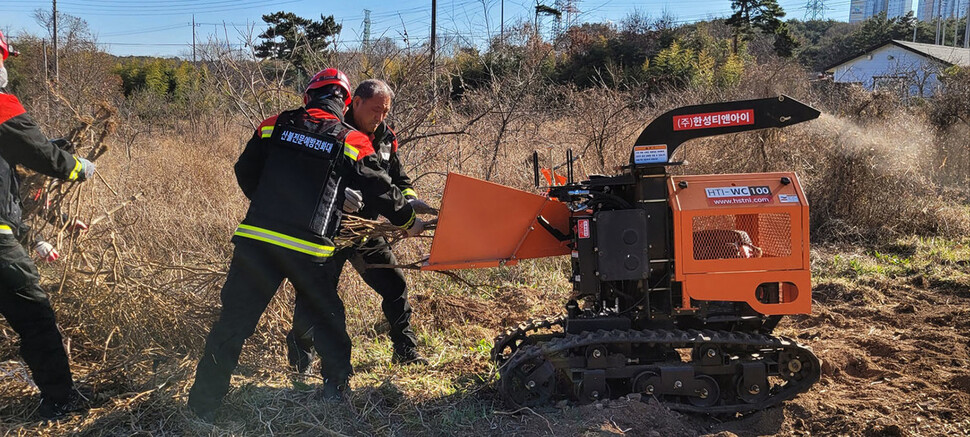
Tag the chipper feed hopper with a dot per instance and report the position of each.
(678, 281)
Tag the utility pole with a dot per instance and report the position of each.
(366, 42)
(56, 76)
(502, 25)
(193, 39)
(434, 22)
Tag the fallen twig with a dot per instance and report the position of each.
(107, 214)
(510, 413)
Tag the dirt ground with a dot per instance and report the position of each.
(892, 329)
(890, 324)
(895, 347)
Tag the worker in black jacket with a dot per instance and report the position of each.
(371, 104)
(22, 301)
(295, 171)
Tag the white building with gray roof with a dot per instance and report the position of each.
(907, 68)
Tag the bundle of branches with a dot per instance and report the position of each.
(355, 230)
(51, 207)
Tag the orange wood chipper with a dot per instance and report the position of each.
(678, 281)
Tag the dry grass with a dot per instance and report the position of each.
(141, 288)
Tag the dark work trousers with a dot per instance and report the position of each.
(389, 283)
(256, 271)
(26, 307)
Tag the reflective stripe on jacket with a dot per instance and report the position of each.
(292, 243)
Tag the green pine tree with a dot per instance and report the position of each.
(764, 16)
(296, 39)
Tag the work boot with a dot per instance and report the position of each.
(408, 357)
(50, 409)
(334, 390)
(205, 411)
(207, 416)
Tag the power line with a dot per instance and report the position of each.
(149, 30)
(136, 3)
(152, 12)
(166, 5)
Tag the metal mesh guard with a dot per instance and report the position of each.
(739, 236)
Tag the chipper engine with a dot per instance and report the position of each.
(678, 281)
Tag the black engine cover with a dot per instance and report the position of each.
(621, 237)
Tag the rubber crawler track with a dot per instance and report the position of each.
(555, 351)
(513, 337)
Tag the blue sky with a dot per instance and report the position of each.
(163, 28)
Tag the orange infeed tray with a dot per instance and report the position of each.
(742, 238)
(483, 224)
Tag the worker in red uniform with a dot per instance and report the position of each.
(370, 105)
(23, 303)
(295, 171)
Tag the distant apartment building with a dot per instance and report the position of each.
(927, 9)
(930, 9)
(857, 10)
(862, 9)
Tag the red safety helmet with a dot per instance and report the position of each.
(5, 48)
(327, 77)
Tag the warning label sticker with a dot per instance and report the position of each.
(787, 198)
(650, 154)
(732, 196)
(714, 119)
(582, 228)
